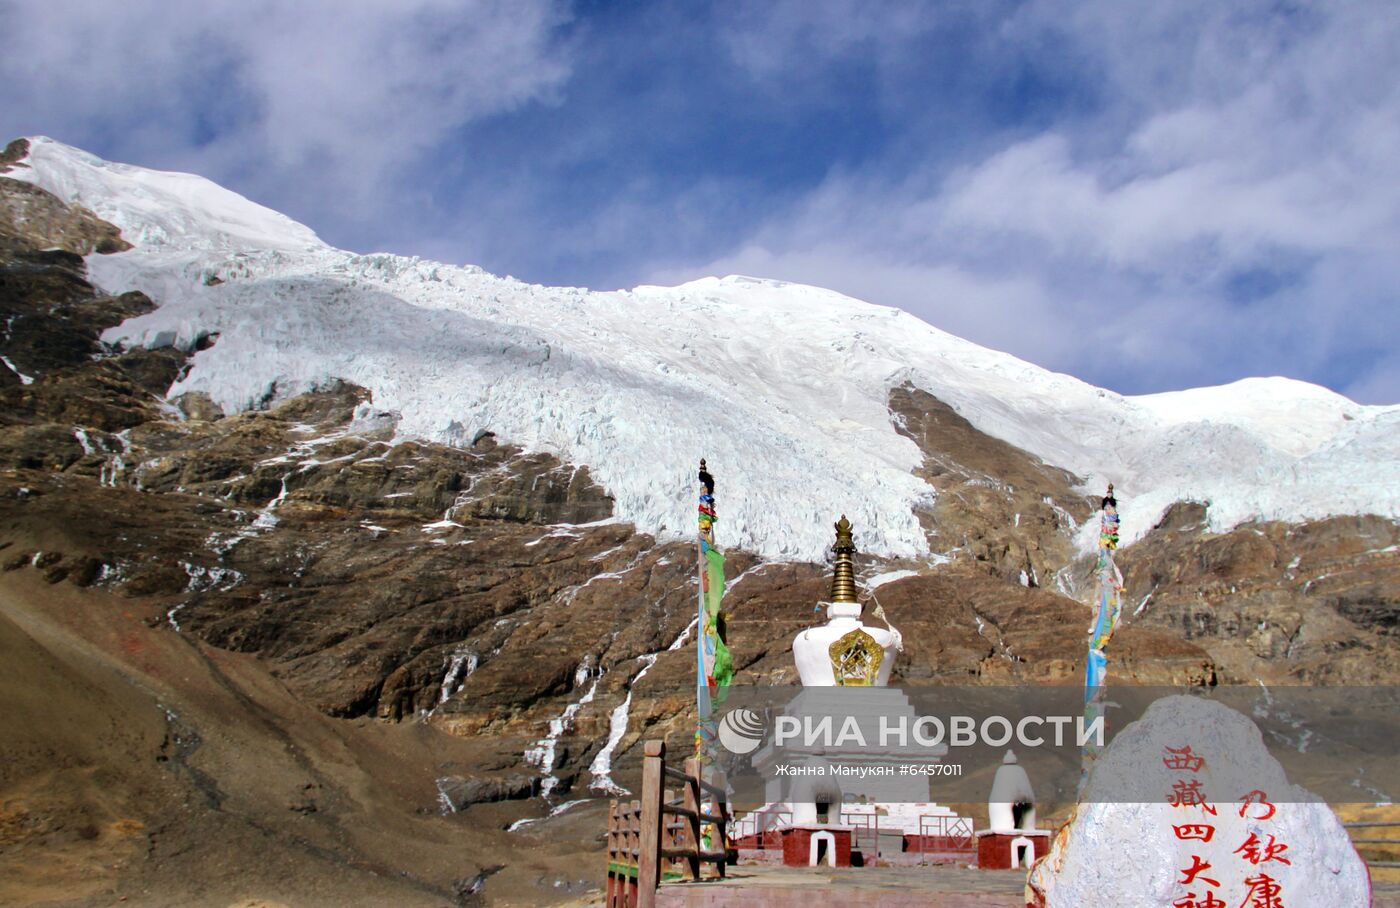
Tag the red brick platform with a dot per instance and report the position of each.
(797, 845)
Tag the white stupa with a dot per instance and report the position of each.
(845, 666)
(844, 652)
(1011, 839)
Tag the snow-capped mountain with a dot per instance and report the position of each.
(783, 387)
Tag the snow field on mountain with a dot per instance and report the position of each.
(782, 387)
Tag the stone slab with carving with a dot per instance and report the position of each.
(1267, 839)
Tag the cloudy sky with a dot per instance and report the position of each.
(1147, 195)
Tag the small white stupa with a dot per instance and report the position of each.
(1010, 840)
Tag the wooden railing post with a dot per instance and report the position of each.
(669, 828)
(634, 848)
(612, 901)
(721, 842)
(651, 835)
(692, 803)
(649, 840)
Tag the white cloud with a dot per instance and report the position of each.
(322, 104)
(783, 39)
(1236, 146)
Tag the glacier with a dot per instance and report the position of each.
(781, 386)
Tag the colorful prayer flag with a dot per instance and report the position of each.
(714, 666)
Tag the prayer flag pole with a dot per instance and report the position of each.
(1110, 586)
(713, 667)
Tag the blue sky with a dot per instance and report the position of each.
(1148, 196)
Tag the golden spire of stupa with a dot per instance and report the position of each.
(843, 582)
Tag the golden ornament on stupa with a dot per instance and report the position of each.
(843, 582)
(855, 657)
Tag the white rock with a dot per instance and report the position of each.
(1115, 853)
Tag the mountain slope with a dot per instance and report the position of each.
(780, 385)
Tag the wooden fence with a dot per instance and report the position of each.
(662, 836)
(1370, 838)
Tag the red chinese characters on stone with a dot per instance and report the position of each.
(1191, 900)
(1199, 831)
(1197, 868)
(1189, 794)
(1182, 758)
(1271, 851)
(1264, 892)
(1257, 797)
